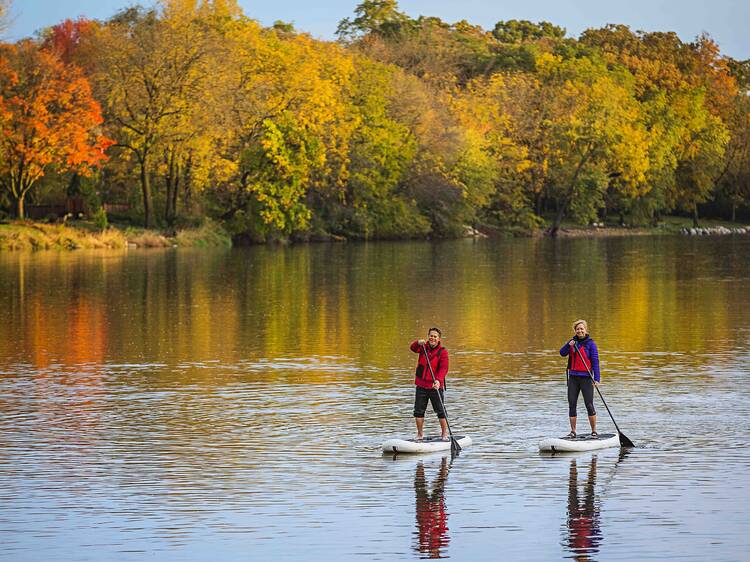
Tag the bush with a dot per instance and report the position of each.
(99, 218)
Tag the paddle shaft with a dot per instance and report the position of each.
(454, 443)
(623, 439)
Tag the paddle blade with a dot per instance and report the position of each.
(455, 447)
(625, 442)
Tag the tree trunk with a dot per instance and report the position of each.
(172, 181)
(569, 194)
(18, 191)
(148, 207)
(188, 183)
(734, 212)
(74, 187)
(558, 218)
(695, 215)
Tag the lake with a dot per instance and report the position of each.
(230, 404)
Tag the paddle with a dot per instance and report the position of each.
(624, 441)
(455, 447)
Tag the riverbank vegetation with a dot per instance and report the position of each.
(27, 235)
(402, 127)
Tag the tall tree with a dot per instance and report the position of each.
(150, 73)
(598, 134)
(49, 119)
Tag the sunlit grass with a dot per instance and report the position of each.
(26, 235)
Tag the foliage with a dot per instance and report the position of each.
(407, 126)
(49, 120)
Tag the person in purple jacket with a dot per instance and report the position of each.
(583, 358)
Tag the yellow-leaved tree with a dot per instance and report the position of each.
(151, 74)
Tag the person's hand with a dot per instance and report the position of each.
(436, 385)
(572, 343)
(597, 383)
(421, 343)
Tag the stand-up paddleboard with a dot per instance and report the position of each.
(579, 443)
(426, 445)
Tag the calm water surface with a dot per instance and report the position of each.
(206, 405)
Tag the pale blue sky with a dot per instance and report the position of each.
(726, 20)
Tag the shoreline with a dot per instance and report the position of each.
(34, 236)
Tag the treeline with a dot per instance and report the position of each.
(402, 128)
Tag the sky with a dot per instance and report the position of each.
(725, 20)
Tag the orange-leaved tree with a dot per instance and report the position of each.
(49, 119)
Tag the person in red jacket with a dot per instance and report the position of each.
(427, 388)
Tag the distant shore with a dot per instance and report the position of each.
(28, 235)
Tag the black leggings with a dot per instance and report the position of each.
(585, 386)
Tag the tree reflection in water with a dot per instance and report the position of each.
(583, 527)
(432, 517)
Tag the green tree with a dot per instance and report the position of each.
(380, 17)
(522, 31)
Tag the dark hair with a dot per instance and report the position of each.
(435, 330)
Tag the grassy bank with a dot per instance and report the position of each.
(25, 235)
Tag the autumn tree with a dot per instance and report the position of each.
(282, 98)
(522, 31)
(380, 17)
(734, 180)
(150, 76)
(598, 134)
(370, 203)
(68, 39)
(686, 94)
(507, 114)
(49, 119)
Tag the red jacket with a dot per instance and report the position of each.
(439, 361)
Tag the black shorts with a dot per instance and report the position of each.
(585, 386)
(420, 401)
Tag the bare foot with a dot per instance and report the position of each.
(419, 438)
(445, 437)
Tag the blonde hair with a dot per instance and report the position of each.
(585, 325)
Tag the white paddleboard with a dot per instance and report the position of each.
(426, 445)
(579, 443)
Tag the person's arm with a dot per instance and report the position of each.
(593, 354)
(442, 367)
(565, 349)
(415, 347)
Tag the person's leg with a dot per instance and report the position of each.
(420, 405)
(587, 389)
(444, 429)
(572, 402)
(437, 404)
(420, 427)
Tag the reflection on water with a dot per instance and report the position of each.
(583, 531)
(432, 516)
(196, 405)
(583, 526)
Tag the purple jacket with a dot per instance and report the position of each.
(591, 351)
